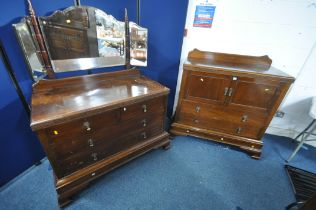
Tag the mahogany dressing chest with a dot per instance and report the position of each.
(91, 124)
(229, 98)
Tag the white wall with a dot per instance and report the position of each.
(285, 30)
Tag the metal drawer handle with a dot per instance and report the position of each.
(144, 135)
(230, 91)
(198, 109)
(90, 142)
(95, 156)
(244, 118)
(144, 122)
(144, 108)
(87, 126)
(226, 91)
(196, 120)
(238, 130)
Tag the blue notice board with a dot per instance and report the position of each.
(204, 15)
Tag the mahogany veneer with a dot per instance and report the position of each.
(229, 98)
(92, 124)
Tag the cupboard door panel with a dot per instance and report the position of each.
(261, 96)
(210, 87)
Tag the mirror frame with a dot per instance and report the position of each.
(117, 42)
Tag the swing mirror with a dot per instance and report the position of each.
(81, 38)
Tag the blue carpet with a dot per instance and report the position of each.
(192, 174)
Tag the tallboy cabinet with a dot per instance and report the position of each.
(229, 98)
(90, 125)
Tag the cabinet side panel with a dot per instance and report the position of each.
(48, 145)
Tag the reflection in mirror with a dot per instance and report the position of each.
(83, 38)
(138, 39)
(80, 38)
(111, 36)
(29, 48)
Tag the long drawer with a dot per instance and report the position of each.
(89, 125)
(240, 122)
(240, 115)
(109, 146)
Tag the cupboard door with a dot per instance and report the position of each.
(253, 93)
(208, 87)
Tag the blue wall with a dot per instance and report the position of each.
(165, 20)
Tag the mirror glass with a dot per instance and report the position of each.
(82, 38)
(138, 40)
(29, 48)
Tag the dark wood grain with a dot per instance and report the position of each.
(58, 101)
(229, 98)
(89, 125)
(234, 64)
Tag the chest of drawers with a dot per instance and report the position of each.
(229, 98)
(90, 125)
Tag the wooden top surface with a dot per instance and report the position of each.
(232, 62)
(58, 101)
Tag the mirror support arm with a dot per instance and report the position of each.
(77, 3)
(40, 40)
(15, 82)
(127, 42)
(138, 12)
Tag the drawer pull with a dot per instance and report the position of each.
(144, 135)
(87, 126)
(124, 109)
(144, 108)
(90, 142)
(230, 91)
(197, 108)
(226, 91)
(144, 122)
(244, 118)
(201, 79)
(95, 156)
(238, 130)
(93, 174)
(196, 120)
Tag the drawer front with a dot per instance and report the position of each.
(89, 125)
(67, 147)
(224, 119)
(83, 126)
(156, 105)
(249, 145)
(232, 114)
(111, 146)
(221, 125)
